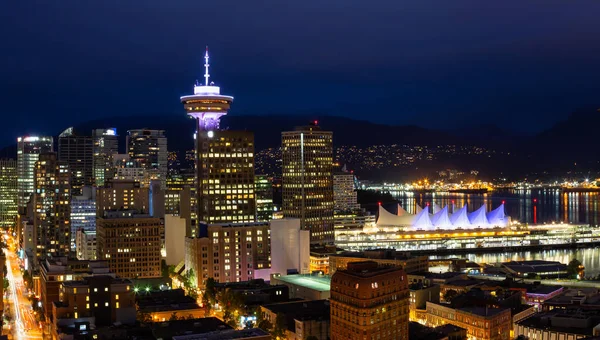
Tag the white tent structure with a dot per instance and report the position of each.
(401, 211)
(386, 218)
(436, 208)
(441, 219)
(422, 220)
(460, 218)
(497, 217)
(478, 217)
(419, 209)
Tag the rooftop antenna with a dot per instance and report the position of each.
(206, 75)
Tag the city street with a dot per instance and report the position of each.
(23, 322)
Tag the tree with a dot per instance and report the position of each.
(6, 284)
(209, 298)
(450, 294)
(173, 317)
(233, 306)
(573, 268)
(144, 317)
(190, 283)
(280, 328)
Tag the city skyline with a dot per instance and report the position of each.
(476, 68)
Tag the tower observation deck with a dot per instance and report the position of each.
(207, 105)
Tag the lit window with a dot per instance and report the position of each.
(117, 305)
(95, 289)
(106, 304)
(106, 289)
(116, 296)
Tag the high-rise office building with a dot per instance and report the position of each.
(28, 152)
(106, 144)
(77, 151)
(149, 149)
(126, 169)
(83, 213)
(8, 193)
(224, 159)
(307, 174)
(264, 198)
(344, 195)
(122, 195)
(370, 302)
(52, 207)
(130, 243)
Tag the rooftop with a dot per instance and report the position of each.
(464, 283)
(317, 310)
(167, 300)
(575, 323)
(483, 311)
(319, 283)
(170, 329)
(367, 269)
(229, 334)
(379, 254)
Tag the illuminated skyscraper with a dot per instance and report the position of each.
(52, 207)
(28, 152)
(307, 177)
(106, 144)
(224, 159)
(149, 149)
(8, 193)
(78, 152)
(264, 198)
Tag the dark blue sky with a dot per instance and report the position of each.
(521, 64)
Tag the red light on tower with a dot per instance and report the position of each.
(379, 203)
(503, 202)
(427, 203)
(452, 201)
(534, 200)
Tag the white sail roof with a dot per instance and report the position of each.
(422, 220)
(497, 216)
(436, 208)
(419, 209)
(401, 211)
(460, 219)
(441, 219)
(386, 218)
(478, 217)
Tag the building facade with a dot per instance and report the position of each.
(307, 173)
(106, 144)
(130, 243)
(368, 301)
(122, 195)
(85, 244)
(409, 263)
(8, 194)
(344, 195)
(149, 149)
(28, 152)
(77, 151)
(480, 322)
(229, 252)
(52, 207)
(264, 198)
(83, 212)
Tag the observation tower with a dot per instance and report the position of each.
(207, 105)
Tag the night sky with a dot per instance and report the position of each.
(523, 65)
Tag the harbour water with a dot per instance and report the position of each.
(537, 206)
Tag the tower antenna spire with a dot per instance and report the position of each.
(206, 75)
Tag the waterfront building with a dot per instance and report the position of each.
(228, 252)
(369, 301)
(224, 159)
(122, 194)
(264, 198)
(130, 243)
(102, 301)
(582, 298)
(481, 323)
(357, 221)
(83, 212)
(559, 325)
(54, 271)
(8, 194)
(292, 246)
(148, 148)
(307, 170)
(391, 257)
(52, 206)
(303, 318)
(535, 269)
(77, 151)
(85, 244)
(161, 305)
(29, 149)
(106, 144)
(305, 287)
(344, 194)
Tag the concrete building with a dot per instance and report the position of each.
(175, 233)
(127, 170)
(361, 296)
(307, 154)
(130, 243)
(57, 270)
(122, 195)
(180, 200)
(106, 145)
(292, 246)
(102, 301)
(409, 263)
(480, 322)
(302, 318)
(228, 252)
(9, 193)
(344, 195)
(85, 244)
(420, 294)
(77, 151)
(264, 198)
(306, 287)
(52, 207)
(535, 268)
(160, 306)
(83, 212)
(559, 325)
(255, 293)
(29, 149)
(149, 149)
